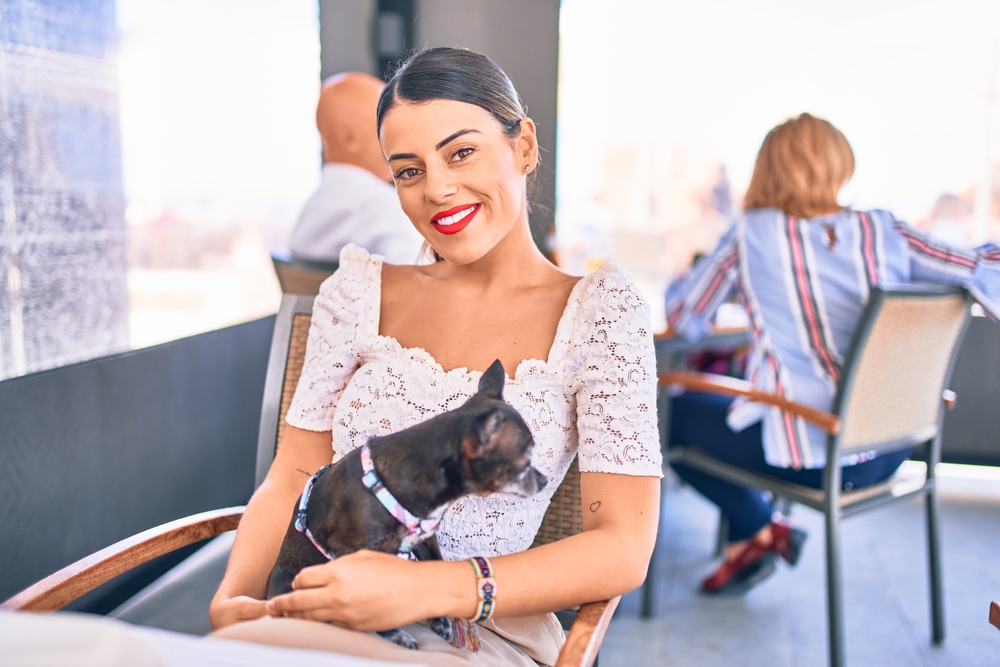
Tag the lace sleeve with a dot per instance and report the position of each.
(331, 351)
(613, 365)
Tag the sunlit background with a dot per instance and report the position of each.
(220, 150)
(663, 105)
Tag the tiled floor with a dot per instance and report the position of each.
(783, 621)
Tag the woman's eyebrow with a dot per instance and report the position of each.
(452, 137)
(441, 144)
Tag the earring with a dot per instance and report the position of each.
(527, 168)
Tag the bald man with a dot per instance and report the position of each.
(355, 202)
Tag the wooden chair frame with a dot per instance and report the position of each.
(300, 276)
(830, 500)
(59, 589)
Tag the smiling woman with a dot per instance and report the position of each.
(391, 346)
(477, 169)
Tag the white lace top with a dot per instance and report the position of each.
(595, 394)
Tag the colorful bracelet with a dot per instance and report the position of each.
(486, 586)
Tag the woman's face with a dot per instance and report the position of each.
(460, 180)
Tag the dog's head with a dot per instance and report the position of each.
(497, 445)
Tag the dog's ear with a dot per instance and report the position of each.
(492, 432)
(492, 381)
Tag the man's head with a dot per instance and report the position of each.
(345, 118)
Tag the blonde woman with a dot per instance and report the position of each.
(802, 266)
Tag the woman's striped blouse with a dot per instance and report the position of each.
(804, 284)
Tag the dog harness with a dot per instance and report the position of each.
(300, 515)
(417, 529)
(465, 634)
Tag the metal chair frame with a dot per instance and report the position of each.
(834, 503)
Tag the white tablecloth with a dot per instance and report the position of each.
(82, 640)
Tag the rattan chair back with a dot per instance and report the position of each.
(899, 365)
(298, 276)
(288, 350)
(284, 366)
(564, 517)
(293, 368)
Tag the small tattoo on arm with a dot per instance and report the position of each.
(303, 472)
(594, 506)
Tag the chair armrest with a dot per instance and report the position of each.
(585, 635)
(995, 614)
(720, 384)
(59, 589)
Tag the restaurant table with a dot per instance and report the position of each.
(670, 350)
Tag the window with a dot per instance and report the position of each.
(151, 151)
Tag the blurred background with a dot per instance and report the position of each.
(153, 151)
(663, 105)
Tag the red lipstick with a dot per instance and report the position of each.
(455, 219)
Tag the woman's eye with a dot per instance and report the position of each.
(461, 154)
(407, 173)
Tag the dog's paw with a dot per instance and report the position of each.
(442, 627)
(400, 637)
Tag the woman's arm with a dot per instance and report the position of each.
(691, 300)
(935, 262)
(240, 596)
(374, 591)
(620, 518)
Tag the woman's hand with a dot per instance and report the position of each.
(235, 610)
(369, 590)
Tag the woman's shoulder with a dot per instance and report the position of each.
(356, 271)
(606, 304)
(351, 294)
(610, 285)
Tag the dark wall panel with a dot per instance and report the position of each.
(98, 451)
(972, 429)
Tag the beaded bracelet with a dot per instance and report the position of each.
(486, 586)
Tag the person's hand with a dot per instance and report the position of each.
(236, 609)
(363, 591)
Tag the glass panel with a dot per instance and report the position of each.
(151, 151)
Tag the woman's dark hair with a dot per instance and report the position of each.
(446, 73)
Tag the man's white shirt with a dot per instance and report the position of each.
(353, 206)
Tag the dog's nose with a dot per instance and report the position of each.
(527, 483)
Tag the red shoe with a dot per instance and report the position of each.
(750, 566)
(787, 541)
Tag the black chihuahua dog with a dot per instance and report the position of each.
(484, 446)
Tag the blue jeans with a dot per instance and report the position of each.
(700, 419)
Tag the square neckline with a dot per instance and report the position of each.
(563, 331)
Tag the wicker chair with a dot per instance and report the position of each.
(288, 346)
(300, 276)
(890, 397)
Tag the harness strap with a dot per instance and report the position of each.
(417, 529)
(300, 514)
